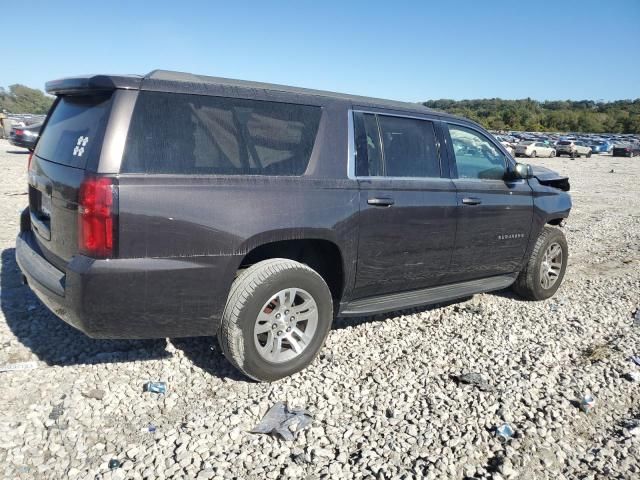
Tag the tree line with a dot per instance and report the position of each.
(620, 116)
(21, 99)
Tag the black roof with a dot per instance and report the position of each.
(165, 80)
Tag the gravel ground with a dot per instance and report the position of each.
(382, 392)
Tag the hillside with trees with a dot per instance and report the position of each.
(21, 99)
(621, 116)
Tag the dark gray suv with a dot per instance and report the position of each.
(181, 205)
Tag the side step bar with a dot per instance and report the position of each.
(426, 296)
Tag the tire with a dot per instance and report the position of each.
(534, 154)
(552, 154)
(589, 155)
(529, 284)
(250, 293)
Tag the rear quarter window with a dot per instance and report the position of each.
(194, 134)
(75, 129)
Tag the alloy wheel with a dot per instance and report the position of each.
(286, 325)
(551, 266)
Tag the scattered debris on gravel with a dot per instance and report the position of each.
(383, 400)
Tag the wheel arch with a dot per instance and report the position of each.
(318, 250)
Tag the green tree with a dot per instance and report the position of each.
(22, 99)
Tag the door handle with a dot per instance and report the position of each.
(381, 202)
(471, 201)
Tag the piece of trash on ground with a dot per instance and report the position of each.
(155, 387)
(475, 379)
(635, 359)
(56, 411)
(284, 421)
(636, 317)
(632, 376)
(587, 403)
(95, 393)
(151, 428)
(114, 463)
(504, 432)
(13, 367)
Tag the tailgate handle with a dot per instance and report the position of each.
(381, 201)
(471, 201)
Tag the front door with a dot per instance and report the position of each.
(494, 215)
(407, 207)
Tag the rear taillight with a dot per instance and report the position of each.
(19, 132)
(29, 161)
(97, 217)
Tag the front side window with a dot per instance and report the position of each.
(193, 134)
(476, 156)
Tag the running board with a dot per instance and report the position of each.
(426, 296)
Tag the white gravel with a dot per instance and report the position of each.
(384, 402)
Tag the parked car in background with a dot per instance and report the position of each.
(25, 137)
(535, 149)
(628, 150)
(601, 146)
(572, 148)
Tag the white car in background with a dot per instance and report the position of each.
(534, 149)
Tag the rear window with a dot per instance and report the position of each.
(75, 130)
(564, 143)
(194, 134)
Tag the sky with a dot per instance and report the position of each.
(411, 51)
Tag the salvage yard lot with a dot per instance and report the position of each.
(382, 393)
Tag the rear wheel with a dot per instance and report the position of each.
(534, 154)
(552, 154)
(277, 318)
(544, 271)
(589, 155)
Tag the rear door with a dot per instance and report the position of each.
(407, 207)
(494, 215)
(70, 144)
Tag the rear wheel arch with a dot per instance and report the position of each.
(321, 255)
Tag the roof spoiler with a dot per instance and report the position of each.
(92, 83)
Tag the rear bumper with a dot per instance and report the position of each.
(129, 298)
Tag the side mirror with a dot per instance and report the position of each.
(522, 171)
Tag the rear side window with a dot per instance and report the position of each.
(75, 130)
(368, 148)
(408, 147)
(193, 134)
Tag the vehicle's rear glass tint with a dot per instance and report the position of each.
(194, 134)
(564, 143)
(75, 130)
(409, 147)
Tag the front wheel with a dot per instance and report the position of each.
(544, 271)
(276, 319)
(552, 154)
(589, 155)
(534, 154)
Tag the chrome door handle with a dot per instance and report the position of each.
(381, 202)
(471, 201)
